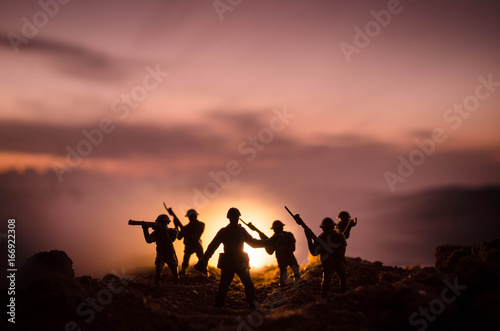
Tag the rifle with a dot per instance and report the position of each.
(178, 225)
(262, 235)
(148, 224)
(321, 242)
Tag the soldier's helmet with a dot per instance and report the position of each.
(277, 224)
(191, 212)
(327, 222)
(344, 215)
(163, 218)
(233, 212)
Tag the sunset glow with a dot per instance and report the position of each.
(110, 108)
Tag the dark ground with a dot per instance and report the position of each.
(461, 293)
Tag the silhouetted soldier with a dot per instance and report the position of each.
(192, 243)
(331, 246)
(165, 252)
(234, 259)
(345, 224)
(284, 248)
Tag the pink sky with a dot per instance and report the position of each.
(328, 127)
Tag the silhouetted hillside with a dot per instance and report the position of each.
(460, 293)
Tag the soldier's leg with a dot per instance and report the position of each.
(247, 281)
(185, 260)
(199, 251)
(159, 266)
(226, 277)
(327, 279)
(340, 269)
(171, 261)
(296, 272)
(283, 273)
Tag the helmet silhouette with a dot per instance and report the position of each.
(277, 224)
(233, 212)
(344, 214)
(191, 212)
(163, 218)
(327, 222)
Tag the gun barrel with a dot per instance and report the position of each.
(149, 224)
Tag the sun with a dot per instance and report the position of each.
(256, 212)
(258, 257)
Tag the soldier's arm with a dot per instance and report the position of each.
(256, 243)
(181, 234)
(270, 249)
(172, 234)
(149, 237)
(312, 245)
(212, 247)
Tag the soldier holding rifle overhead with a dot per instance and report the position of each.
(331, 246)
(284, 248)
(192, 236)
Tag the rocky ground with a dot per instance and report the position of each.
(461, 292)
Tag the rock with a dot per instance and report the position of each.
(46, 264)
(48, 286)
(489, 253)
(448, 255)
(387, 276)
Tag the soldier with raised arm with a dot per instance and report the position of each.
(345, 223)
(234, 260)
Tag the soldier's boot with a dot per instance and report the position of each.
(183, 271)
(283, 279)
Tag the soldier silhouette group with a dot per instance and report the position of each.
(330, 245)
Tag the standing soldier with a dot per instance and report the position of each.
(331, 246)
(192, 243)
(284, 248)
(234, 259)
(345, 224)
(165, 252)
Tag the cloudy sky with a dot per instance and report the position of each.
(386, 109)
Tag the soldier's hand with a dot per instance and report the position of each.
(144, 227)
(297, 218)
(308, 232)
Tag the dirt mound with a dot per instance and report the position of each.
(462, 295)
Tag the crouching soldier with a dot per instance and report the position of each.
(165, 252)
(234, 259)
(331, 246)
(284, 248)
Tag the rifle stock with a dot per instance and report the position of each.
(327, 247)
